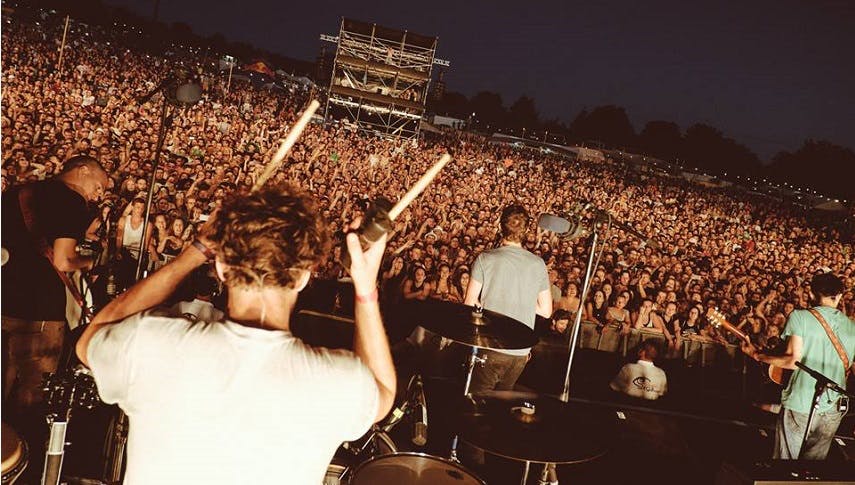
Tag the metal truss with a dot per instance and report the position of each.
(380, 78)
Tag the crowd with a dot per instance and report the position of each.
(750, 257)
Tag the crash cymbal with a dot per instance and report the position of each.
(484, 329)
(539, 429)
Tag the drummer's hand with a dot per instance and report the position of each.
(364, 265)
(206, 230)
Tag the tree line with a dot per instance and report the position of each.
(818, 164)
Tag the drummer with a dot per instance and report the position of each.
(240, 399)
(514, 282)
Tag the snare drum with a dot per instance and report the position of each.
(14, 455)
(412, 469)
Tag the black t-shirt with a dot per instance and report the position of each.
(31, 288)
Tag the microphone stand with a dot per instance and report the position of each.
(165, 122)
(186, 94)
(822, 383)
(586, 285)
(549, 473)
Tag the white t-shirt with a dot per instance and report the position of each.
(198, 310)
(641, 379)
(221, 403)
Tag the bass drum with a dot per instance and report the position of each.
(412, 469)
(351, 454)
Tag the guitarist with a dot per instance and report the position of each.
(42, 224)
(822, 338)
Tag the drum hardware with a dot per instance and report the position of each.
(477, 328)
(532, 428)
(376, 442)
(470, 368)
(64, 392)
(115, 448)
(15, 455)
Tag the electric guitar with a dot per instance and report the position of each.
(778, 375)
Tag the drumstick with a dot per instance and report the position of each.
(417, 189)
(286, 145)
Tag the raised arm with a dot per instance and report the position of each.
(147, 293)
(369, 338)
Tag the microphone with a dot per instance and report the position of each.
(178, 89)
(145, 98)
(419, 437)
(568, 229)
(553, 223)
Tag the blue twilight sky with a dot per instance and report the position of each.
(769, 73)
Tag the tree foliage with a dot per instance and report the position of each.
(820, 164)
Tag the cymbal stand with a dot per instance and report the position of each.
(64, 392)
(115, 449)
(549, 475)
(470, 369)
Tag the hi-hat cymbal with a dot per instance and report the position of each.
(540, 429)
(484, 329)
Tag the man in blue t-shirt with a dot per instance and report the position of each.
(811, 345)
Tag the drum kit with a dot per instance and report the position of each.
(523, 427)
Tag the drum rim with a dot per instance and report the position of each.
(442, 459)
(20, 465)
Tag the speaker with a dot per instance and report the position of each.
(785, 472)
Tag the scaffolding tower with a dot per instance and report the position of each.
(380, 78)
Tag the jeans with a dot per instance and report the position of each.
(790, 430)
(500, 372)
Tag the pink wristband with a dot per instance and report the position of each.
(369, 298)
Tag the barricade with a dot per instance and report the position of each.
(695, 350)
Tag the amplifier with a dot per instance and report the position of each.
(785, 472)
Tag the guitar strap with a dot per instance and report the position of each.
(25, 197)
(834, 341)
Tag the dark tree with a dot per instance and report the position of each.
(452, 104)
(182, 31)
(661, 139)
(819, 164)
(523, 114)
(707, 148)
(489, 110)
(607, 124)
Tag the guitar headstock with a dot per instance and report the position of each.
(715, 317)
(718, 320)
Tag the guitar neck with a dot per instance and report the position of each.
(732, 329)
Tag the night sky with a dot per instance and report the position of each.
(768, 73)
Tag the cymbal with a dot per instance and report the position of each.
(487, 329)
(539, 428)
